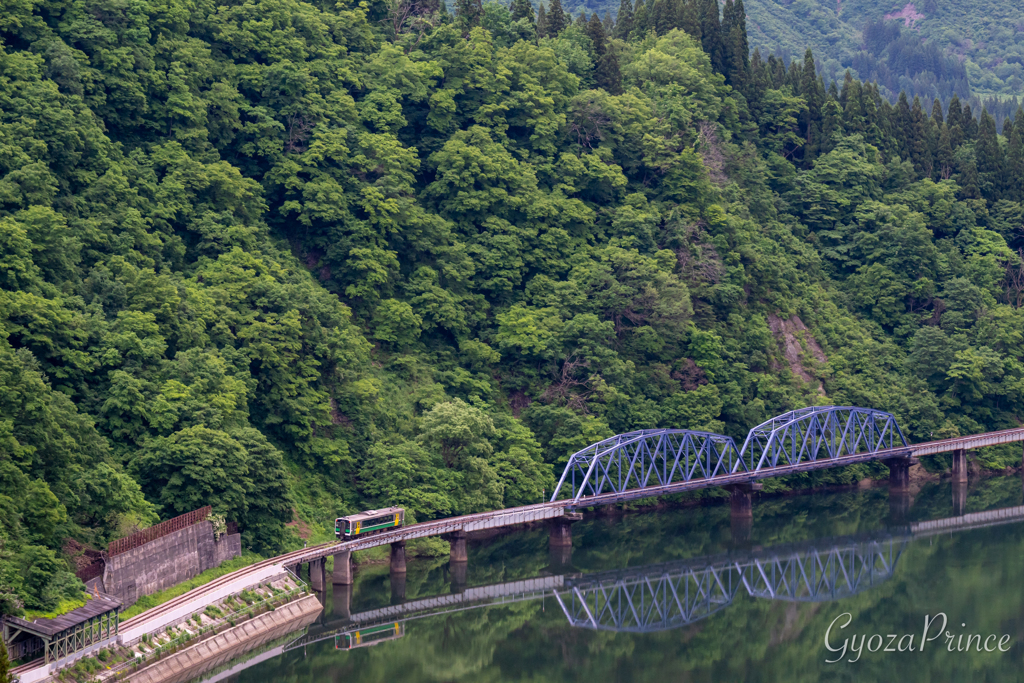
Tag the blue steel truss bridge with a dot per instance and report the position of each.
(659, 462)
(656, 462)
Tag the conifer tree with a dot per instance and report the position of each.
(640, 22)
(595, 31)
(734, 35)
(660, 16)
(469, 11)
(609, 24)
(555, 19)
(831, 124)
(522, 9)
(624, 21)
(607, 74)
(944, 155)
(581, 20)
(903, 127)
(689, 19)
(711, 34)
(937, 112)
(758, 83)
(921, 151)
(1015, 160)
(954, 114)
(844, 94)
(874, 126)
(778, 70)
(809, 85)
(793, 76)
(968, 178)
(542, 22)
(970, 124)
(989, 155)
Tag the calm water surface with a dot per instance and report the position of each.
(686, 595)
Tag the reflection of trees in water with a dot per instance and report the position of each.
(974, 577)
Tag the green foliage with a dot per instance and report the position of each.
(288, 258)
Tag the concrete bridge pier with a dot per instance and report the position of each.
(342, 574)
(560, 535)
(959, 498)
(457, 541)
(741, 499)
(960, 465)
(899, 473)
(398, 558)
(318, 574)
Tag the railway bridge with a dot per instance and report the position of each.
(661, 462)
(675, 594)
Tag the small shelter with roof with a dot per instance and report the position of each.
(66, 638)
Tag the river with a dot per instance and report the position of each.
(686, 594)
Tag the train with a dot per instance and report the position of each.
(368, 522)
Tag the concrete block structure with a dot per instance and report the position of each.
(167, 561)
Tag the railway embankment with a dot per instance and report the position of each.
(221, 647)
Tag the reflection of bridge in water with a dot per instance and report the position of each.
(675, 594)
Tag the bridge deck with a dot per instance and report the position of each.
(554, 509)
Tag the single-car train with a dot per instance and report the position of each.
(369, 522)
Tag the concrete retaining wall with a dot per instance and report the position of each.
(222, 648)
(167, 561)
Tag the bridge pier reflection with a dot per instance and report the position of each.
(560, 558)
(457, 573)
(740, 526)
(341, 600)
(959, 498)
(900, 502)
(397, 588)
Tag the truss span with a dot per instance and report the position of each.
(647, 458)
(628, 464)
(808, 434)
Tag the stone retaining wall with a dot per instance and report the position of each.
(167, 561)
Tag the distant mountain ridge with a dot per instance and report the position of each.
(984, 37)
(929, 48)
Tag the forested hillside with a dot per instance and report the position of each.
(293, 258)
